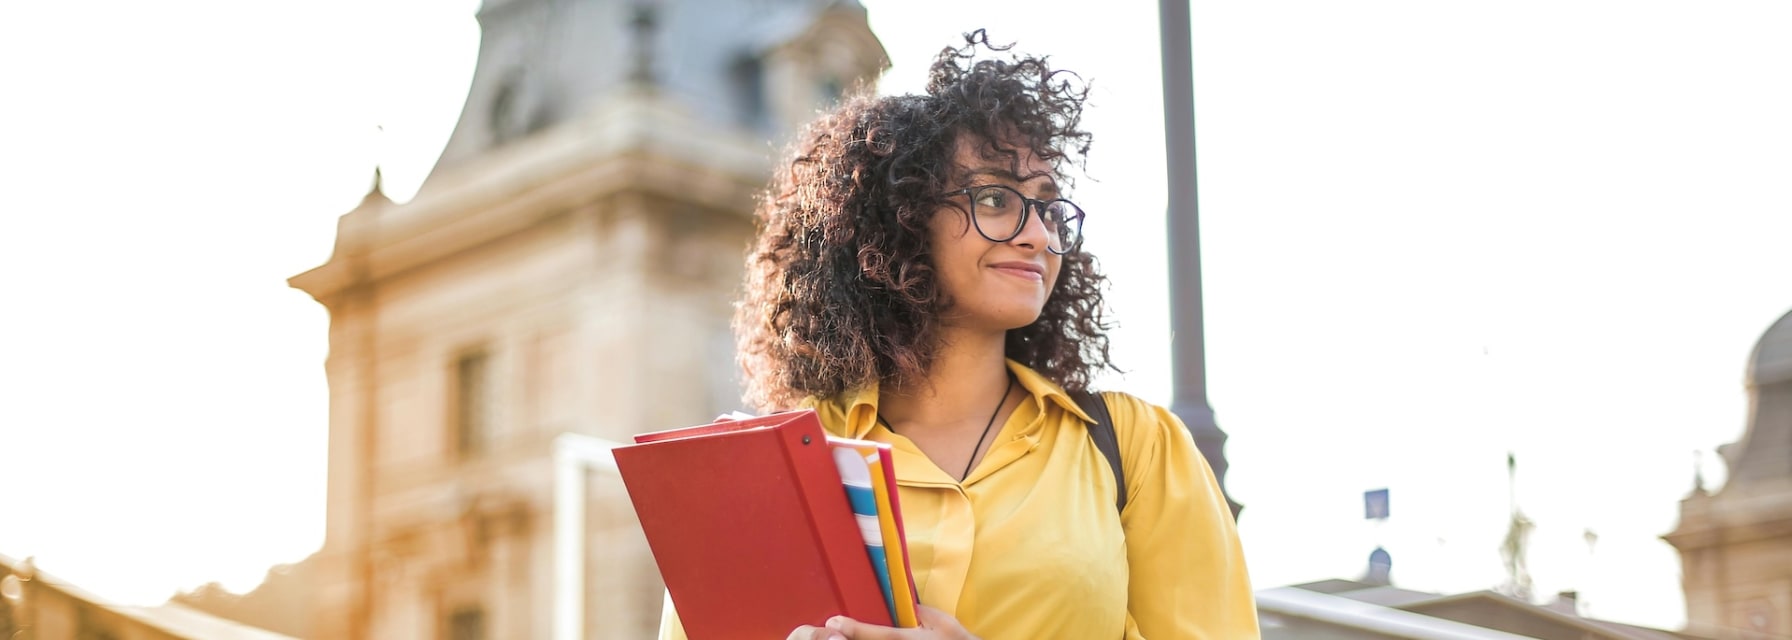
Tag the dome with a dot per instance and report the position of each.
(1771, 363)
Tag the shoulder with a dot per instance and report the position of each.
(1149, 433)
(1136, 417)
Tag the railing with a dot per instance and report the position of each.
(574, 455)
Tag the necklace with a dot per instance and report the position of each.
(986, 427)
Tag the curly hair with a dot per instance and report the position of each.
(840, 290)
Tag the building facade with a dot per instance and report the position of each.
(1352, 610)
(35, 605)
(568, 267)
(1736, 544)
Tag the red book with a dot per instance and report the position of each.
(749, 523)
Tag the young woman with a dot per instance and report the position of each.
(917, 280)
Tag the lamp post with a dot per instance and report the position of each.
(1188, 358)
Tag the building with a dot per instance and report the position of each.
(1736, 544)
(36, 605)
(1350, 610)
(567, 268)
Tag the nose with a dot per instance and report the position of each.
(1033, 234)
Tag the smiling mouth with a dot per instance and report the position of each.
(1019, 271)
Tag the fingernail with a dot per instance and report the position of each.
(836, 624)
(836, 636)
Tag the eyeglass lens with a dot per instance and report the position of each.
(1000, 215)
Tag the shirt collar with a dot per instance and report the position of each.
(856, 410)
(1044, 390)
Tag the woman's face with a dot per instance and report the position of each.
(994, 285)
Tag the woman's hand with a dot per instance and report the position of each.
(935, 625)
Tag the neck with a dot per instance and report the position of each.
(968, 374)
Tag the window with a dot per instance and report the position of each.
(748, 76)
(829, 91)
(515, 110)
(472, 404)
(466, 623)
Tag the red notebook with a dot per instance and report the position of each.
(750, 526)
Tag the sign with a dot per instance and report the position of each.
(1375, 504)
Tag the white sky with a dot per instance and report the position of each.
(1433, 232)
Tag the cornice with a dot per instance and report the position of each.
(634, 142)
(1732, 518)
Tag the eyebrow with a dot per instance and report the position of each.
(1049, 189)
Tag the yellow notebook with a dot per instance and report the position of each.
(889, 517)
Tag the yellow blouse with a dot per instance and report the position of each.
(1029, 545)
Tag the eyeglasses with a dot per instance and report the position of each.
(1000, 213)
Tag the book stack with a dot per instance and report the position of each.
(870, 481)
(764, 524)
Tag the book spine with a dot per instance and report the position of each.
(901, 578)
(861, 477)
(835, 526)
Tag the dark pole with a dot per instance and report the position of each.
(1188, 356)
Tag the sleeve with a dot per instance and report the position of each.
(670, 627)
(1182, 547)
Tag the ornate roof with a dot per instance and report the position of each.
(547, 62)
(1764, 454)
(1771, 363)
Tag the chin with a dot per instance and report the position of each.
(991, 313)
(1019, 321)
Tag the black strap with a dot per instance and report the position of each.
(1102, 432)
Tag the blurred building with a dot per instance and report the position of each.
(1351, 610)
(1736, 544)
(284, 602)
(568, 267)
(38, 606)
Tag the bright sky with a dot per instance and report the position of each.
(1434, 233)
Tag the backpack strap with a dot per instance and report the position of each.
(1102, 432)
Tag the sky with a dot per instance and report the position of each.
(1433, 234)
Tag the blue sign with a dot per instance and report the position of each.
(1375, 504)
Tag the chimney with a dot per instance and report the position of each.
(1567, 601)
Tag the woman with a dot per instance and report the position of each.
(917, 281)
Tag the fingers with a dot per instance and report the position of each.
(806, 632)
(934, 624)
(854, 630)
(931, 618)
(941, 623)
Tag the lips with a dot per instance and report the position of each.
(1027, 270)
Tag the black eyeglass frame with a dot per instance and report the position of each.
(1028, 205)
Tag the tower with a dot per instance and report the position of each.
(567, 267)
(1736, 544)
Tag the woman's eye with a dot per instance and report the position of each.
(992, 198)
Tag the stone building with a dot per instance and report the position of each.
(567, 267)
(1353, 610)
(35, 605)
(1736, 544)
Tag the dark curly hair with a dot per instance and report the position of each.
(840, 287)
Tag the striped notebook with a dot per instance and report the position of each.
(870, 481)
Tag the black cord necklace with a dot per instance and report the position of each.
(986, 427)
